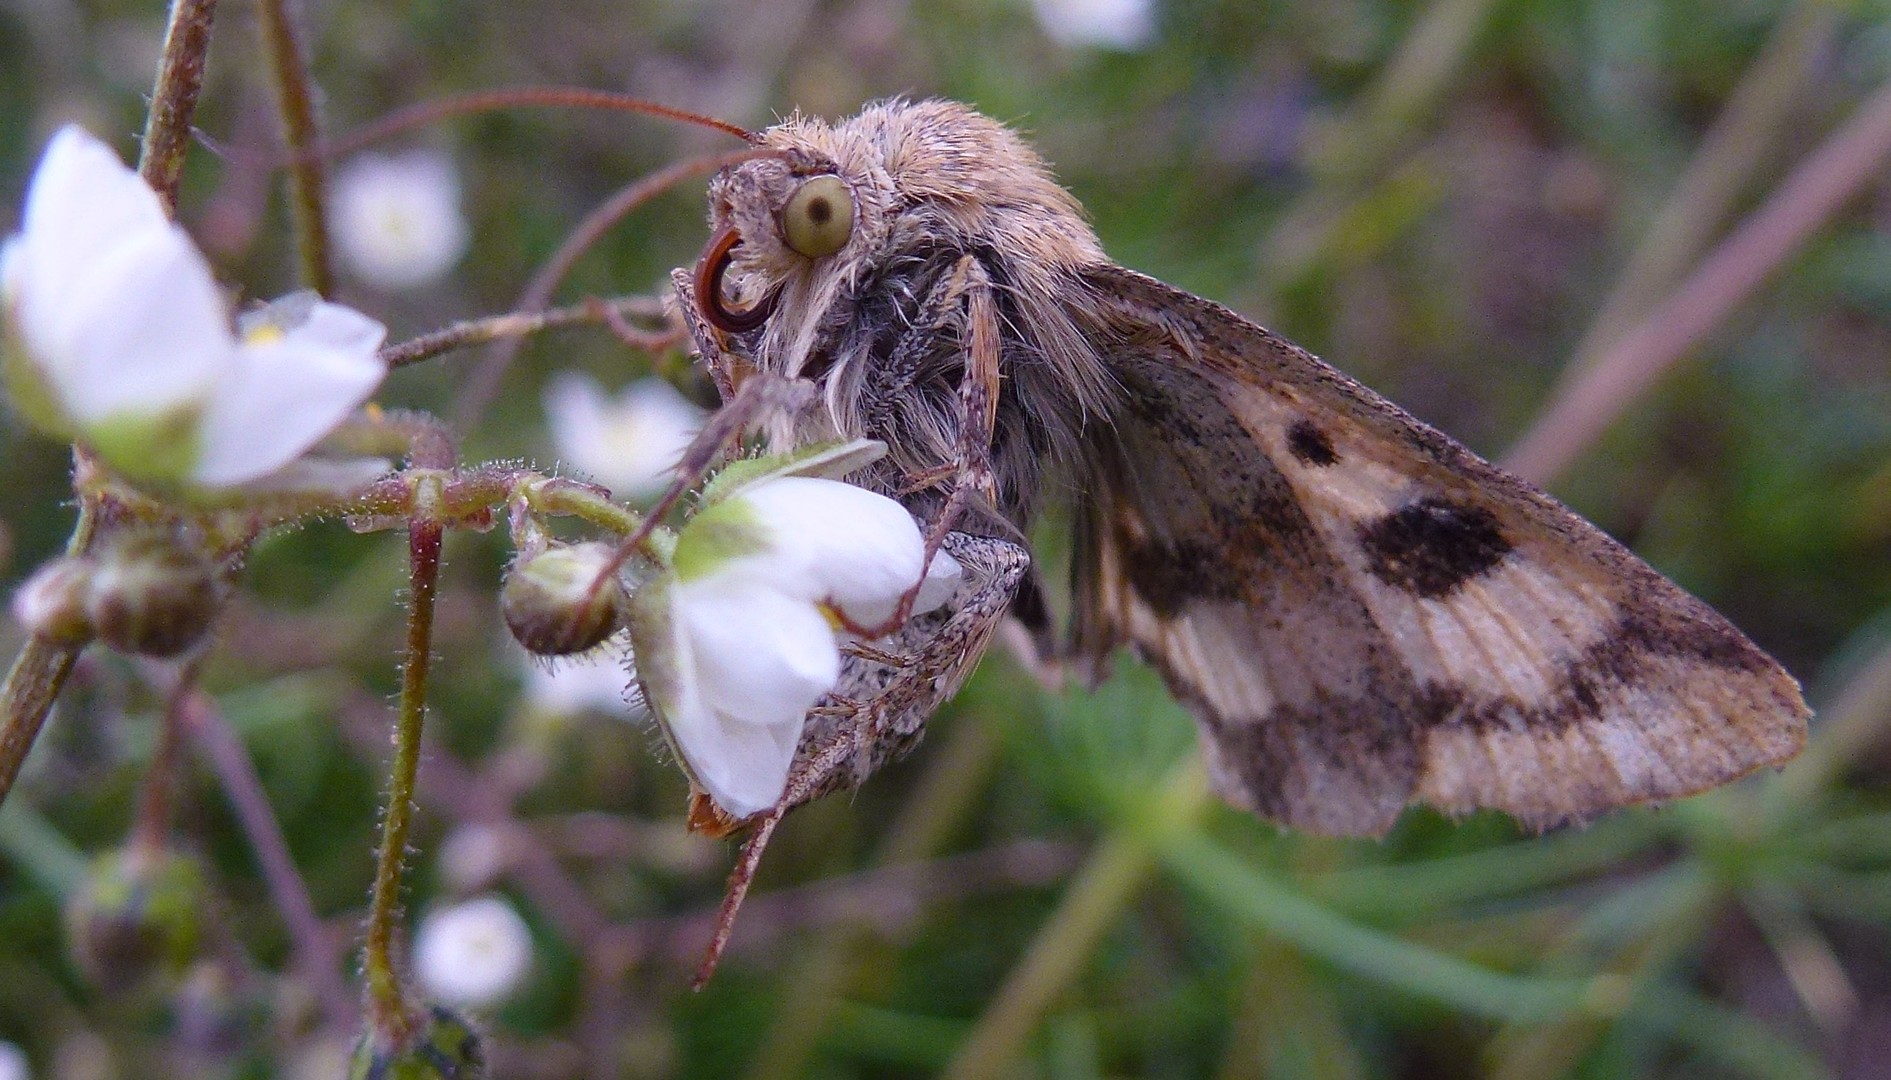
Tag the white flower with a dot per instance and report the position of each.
(125, 343)
(630, 443)
(1111, 24)
(474, 953)
(740, 643)
(13, 1062)
(473, 856)
(599, 681)
(397, 218)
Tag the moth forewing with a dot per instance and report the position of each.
(1363, 613)
(1360, 612)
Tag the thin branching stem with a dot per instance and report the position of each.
(296, 102)
(517, 324)
(393, 1017)
(483, 386)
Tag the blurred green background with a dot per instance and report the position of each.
(1441, 198)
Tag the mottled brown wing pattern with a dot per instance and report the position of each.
(1361, 613)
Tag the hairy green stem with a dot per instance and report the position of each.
(301, 130)
(392, 1016)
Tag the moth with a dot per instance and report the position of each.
(1360, 613)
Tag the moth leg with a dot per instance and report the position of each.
(878, 711)
(967, 298)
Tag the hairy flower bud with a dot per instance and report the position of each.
(135, 919)
(51, 603)
(548, 602)
(445, 1047)
(151, 595)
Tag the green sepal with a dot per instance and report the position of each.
(829, 461)
(160, 448)
(726, 530)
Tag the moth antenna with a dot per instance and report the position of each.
(516, 97)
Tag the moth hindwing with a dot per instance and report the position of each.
(1360, 612)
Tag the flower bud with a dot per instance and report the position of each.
(152, 596)
(549, 605)
(51, 603)
(134, 920)
(445, 1047)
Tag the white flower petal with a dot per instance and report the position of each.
(760, 656)
(835, 542)
(143, 334)
(84, 201)
(472, 954)
(943, 579)
(278, 399)
(336, 326)
(1113, 24)
(748, 662)
(13, 1064)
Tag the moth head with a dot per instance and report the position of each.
(798, 228)
(775, 220)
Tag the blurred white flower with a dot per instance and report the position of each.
(599, 681)
(631, 442)
(473, 856)
(120, 338)
(397, 218)
(741, 642)
(1110, 24)
(472, 954)
(13, 1062)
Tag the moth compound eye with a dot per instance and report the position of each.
(819, 217)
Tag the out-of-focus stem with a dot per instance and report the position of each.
(301, 130)
(389, 1012)
(37, 675)
(174, 97)
(151, 833)
(1849, 159)
(1741, 140)
(1111, 877)
(315, 949)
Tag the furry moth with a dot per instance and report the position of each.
(1359, 612)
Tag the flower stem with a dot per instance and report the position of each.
(392, 1017)
(41, 668)
(174, 97)
(38, 674)
(151, 833)
(301, 130)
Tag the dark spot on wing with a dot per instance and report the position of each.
(1308, 443)
(1432, 547)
